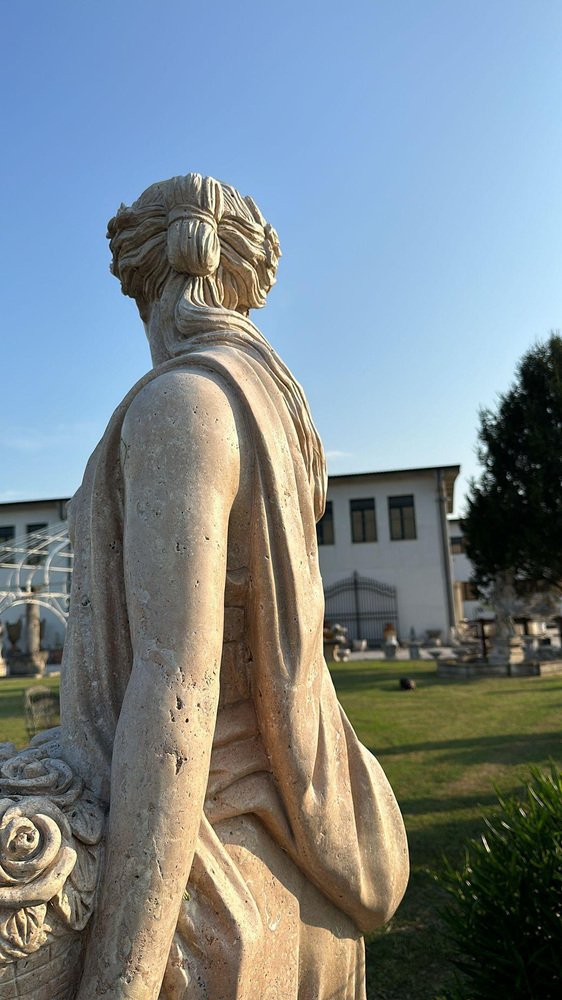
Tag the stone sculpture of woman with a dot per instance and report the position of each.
(251, 838)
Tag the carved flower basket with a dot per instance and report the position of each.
(51, 973)
(50, 852)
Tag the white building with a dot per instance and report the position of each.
(25, 525)
(467, 604)
(23, 517)
(384, 552)
(383, 548)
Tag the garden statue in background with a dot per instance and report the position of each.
(251, 838)
(506, 604)
(390, 641)
(336, 643)
(535, 605)
(506, 646)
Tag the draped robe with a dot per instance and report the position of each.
(286, 764)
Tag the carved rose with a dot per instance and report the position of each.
(51, 846)
(35, 855)
(33, 772)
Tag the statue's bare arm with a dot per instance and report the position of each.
(180, 459)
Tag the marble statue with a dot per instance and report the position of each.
(51, 831)
(250, 838)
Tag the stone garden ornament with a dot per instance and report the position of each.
(205, 825)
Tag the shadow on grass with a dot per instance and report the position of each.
(528, 690)
(421, 806)
(380, 678)
(500, 749)
(377, 679)
(431, 844)
(409, 958)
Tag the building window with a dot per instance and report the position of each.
(36, 558)
(363, 523)
(457, 545)
(325, 526)
(402, 518)
(7, 533)
(469, 591)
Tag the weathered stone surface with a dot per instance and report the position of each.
(50, 850)
(251, 840)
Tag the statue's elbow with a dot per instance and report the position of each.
(388, 888)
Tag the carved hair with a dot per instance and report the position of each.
(199, 227)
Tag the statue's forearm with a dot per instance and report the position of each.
(159, 775)
(177, 503)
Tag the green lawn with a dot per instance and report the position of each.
(443, 746)
(12, 724)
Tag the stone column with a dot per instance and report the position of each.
(32, 629)
(32, 661)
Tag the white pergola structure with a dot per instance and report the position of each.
(37, 569)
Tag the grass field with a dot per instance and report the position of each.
(12, 724)
(443, 746)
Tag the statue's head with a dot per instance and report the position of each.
(198, 239)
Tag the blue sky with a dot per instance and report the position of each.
(407, 151)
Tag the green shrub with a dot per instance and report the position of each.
(505, 909)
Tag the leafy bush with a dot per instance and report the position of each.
(505, 911)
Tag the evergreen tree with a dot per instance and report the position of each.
(513, 522)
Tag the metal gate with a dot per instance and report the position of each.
(363, 606)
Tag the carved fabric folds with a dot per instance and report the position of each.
(337, 820)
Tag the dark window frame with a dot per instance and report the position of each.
(325, 532)
(36, 559)
(469, 591)
(457, 544)
(363, 527)
(402, 528)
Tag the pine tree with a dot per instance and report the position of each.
(513, 522)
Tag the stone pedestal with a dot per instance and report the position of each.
(26, 664)
(506, 651)
(330, 651)
(32, 662)
(359, 645)
(530, 647)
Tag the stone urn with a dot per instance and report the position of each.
(14, 632)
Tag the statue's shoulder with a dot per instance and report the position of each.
(177, 393)
(181, 405)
